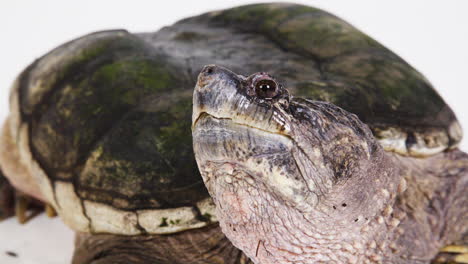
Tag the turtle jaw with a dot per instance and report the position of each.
(234, 156)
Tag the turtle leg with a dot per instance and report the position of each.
(197, 246)
(16, 203)
(6, 198)
(19, 195)
(27, 207)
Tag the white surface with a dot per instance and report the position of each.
(430, 35)
(41, 241)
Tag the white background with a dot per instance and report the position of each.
(431, 35)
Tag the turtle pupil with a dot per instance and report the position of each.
(266, 88)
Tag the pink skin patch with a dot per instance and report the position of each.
(243, 220)
(238, 205)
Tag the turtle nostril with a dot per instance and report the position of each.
(209, 69)
(206, 75)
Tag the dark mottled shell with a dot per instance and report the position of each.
(112, 116)
(111, 113)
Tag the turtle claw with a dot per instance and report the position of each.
(21, 207)
(453, 254)
(50, 211)
(16, 203)
(26, 207)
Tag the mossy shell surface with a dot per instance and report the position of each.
(106, 117)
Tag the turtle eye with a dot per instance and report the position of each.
(266, 88)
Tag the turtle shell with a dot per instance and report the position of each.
(104, 120)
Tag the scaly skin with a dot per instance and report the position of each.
(427, 215)
(299, 181)
(200, 246)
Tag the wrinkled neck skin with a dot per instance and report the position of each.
(271, 231)
(376, 216)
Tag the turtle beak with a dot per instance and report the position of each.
(213, 84)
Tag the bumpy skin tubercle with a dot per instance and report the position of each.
(307, 182)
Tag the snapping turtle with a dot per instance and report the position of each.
(301, 181)
(99, 128)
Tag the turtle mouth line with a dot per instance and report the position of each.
(203, 115)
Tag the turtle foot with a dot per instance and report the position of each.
(453, 254)
(26, 207)
(18, 204)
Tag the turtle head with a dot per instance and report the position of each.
(242, 134)
(250, 131)
(269, 159)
